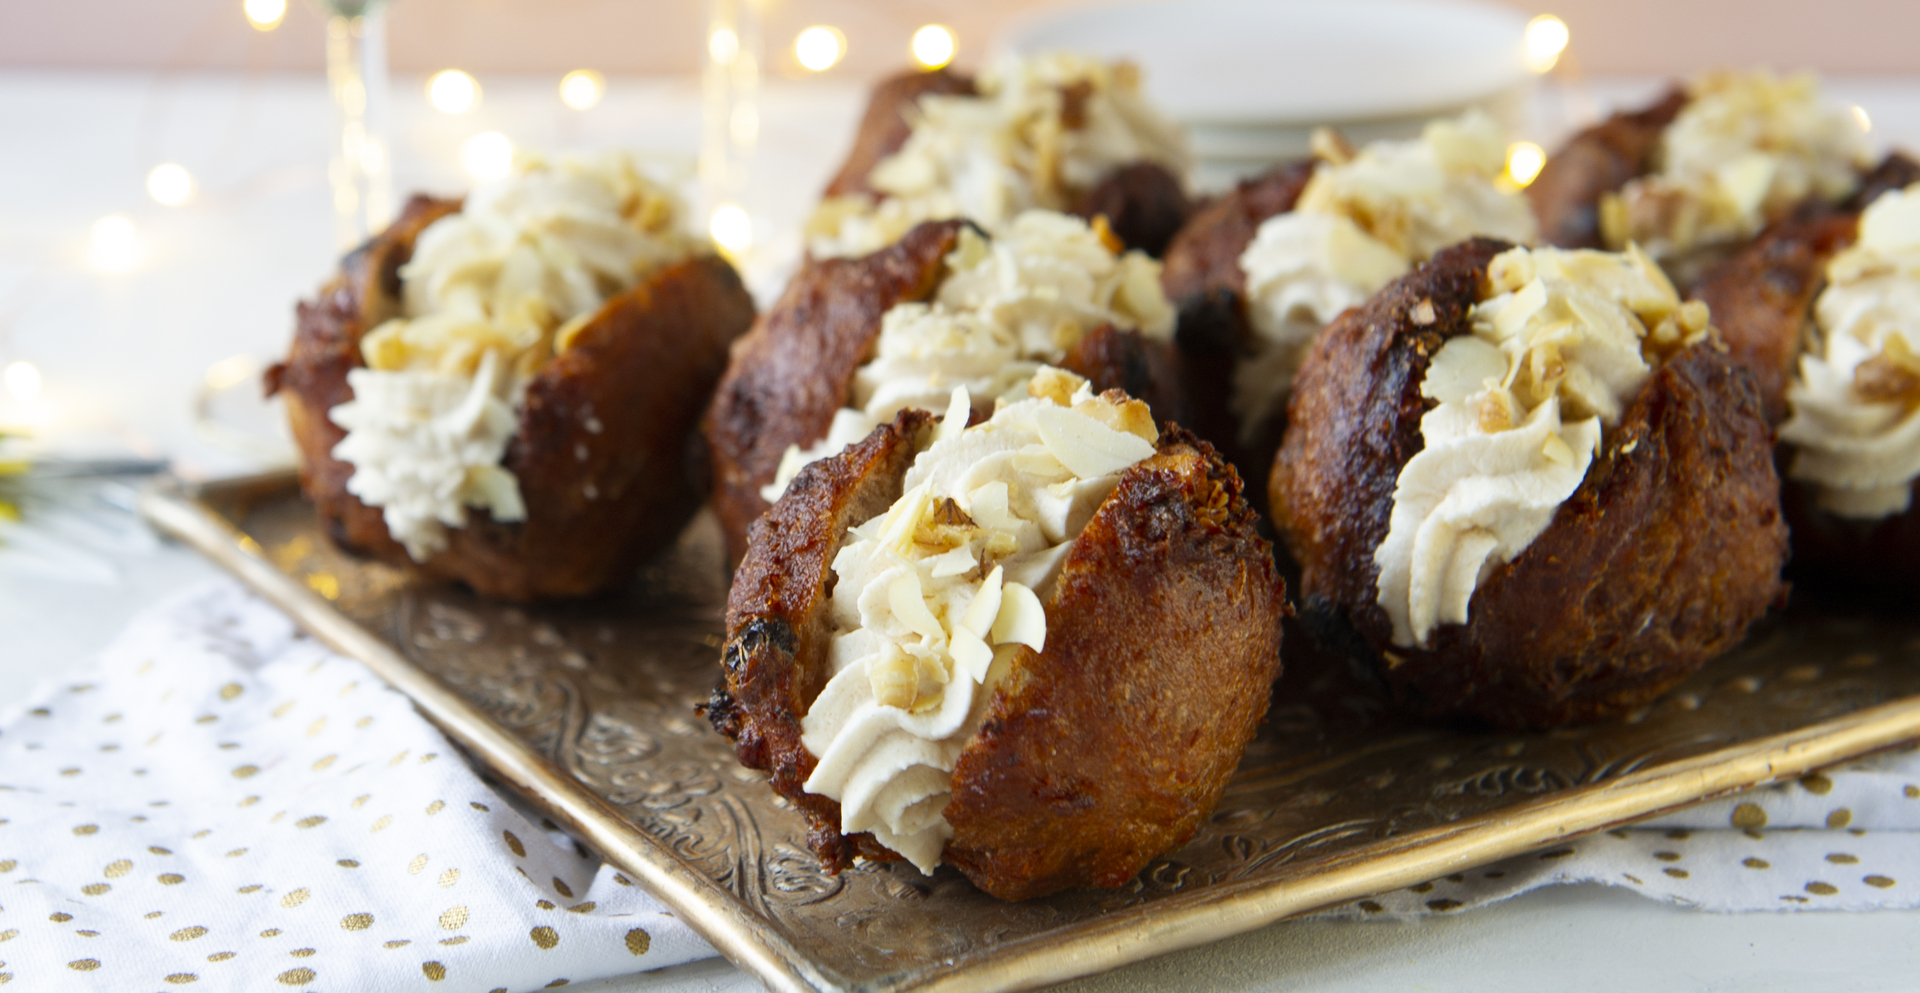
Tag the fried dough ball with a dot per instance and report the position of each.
(1762, 298)
(1695, 176)
(1078, 762)
(1668, 549)
(607, 453)
(886, 124)
(1566, 194)
(1204, 281)
(1860, 550)
(795, 373)
(1144, 201)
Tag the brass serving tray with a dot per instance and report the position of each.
(587, 710)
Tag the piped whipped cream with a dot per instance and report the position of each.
(1558, 348)
(934, 597)
(1006, 307)
(1745, 149)
(1042, 131)
(1359, 225)
(1855, 422)
(489, 296)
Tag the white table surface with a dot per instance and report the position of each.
(121, 355)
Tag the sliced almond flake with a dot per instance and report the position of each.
(1085, 446)
(910, 605)
(1021, 618)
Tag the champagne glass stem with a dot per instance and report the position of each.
(361, 169)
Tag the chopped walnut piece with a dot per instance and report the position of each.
(945, 526)
(1893, 376)
(1054, 384)
(1495, 411)
(1122, 413)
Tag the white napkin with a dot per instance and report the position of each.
(221, 803)
(1845, 839)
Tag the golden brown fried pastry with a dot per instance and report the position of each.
(1763, 297)
(1668, 548)
(1058, 131)
(606, 452)
(814, 360)
(1849, 370)
(1600, 160)
(1143, 203)
(1696, 176)
(888, 121)
(1203, 279)
(1076, 762)
(1255, 290)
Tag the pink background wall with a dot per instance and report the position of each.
(1610, 37)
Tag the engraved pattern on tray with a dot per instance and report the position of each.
(606, 689)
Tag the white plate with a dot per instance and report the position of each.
(1294, 62)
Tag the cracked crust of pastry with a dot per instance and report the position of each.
(795, 370)
(1762, 299)
(1601, 159)
(1203, 279)
(640, 372)
(1163, 638)
(1671, 547)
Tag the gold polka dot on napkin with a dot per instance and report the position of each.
(225, 805)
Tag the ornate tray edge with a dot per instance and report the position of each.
(1170, 925)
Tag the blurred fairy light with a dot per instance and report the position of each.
(487, 156)
(115, 245)
(723, 45)
(452, 91)
(582, 88)
(1860, 115)
(170, 183)
(819, 47)
(1547, 37)
(231, 372)
(934, 45)
(23, 382)
(731, 228)
(1524, 162)
(744, 125)
(265, 15)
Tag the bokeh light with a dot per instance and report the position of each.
(723, 45)
(934, 46)
(819, 47)
(487, 156)
(23, 382)
(452, 91)
(1547, 37)
(582, 88)
(170, 183)
(114, 245)
(1860, 115)
(731, 228)
(265, 15)
(1524, 162)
